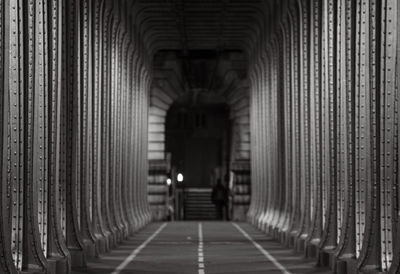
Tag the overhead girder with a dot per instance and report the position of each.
(149, 12)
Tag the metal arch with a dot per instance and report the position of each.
(304, 123)
(388, 130)
(109, 230)
(131, 129)
(138, 116)
(346, 243)
(254, 180)
(123, 42)
(261, 77)
(315, 123)
(286, 57)
(114, 133)
(55, 238)
(361, 123)
(257, 190)
(85, 88)
(260, 190)
(6, 260)
(33, 132)
(116, 103)
(144, 8)
(134, 61)
(143, 145)
(295, 137)
(395, 267)
(125, 167)
(325, 116)
(250, 213)
(280, 120)
(275, 89)
(254, 137)
(72, 216)
(368, 133)
(98, 220)
(329, 236)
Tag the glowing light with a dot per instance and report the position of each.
(180, 177)
(169, 181)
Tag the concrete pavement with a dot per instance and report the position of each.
(201, 247)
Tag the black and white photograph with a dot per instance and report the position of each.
(200, 136)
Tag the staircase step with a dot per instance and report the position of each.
(198, 205)
(208, 212)
(201, 209)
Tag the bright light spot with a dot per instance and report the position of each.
(180, 177)
(169, 181)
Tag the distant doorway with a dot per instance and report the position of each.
(202, 157)
(198, 139)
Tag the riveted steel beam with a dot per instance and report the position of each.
(340, 141)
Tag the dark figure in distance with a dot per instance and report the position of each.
(219, 197)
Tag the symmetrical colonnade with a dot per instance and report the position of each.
(74, 103)
(73, 129)
(325, 134)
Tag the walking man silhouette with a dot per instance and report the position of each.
(219, 197)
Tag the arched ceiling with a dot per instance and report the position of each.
(201, 51)
(200, 24)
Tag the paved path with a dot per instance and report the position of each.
(201, 247)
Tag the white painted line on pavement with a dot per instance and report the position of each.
(200, 250)
(134, 253)
(262, 250)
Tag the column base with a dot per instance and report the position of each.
(77, 258)
(58, 265)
